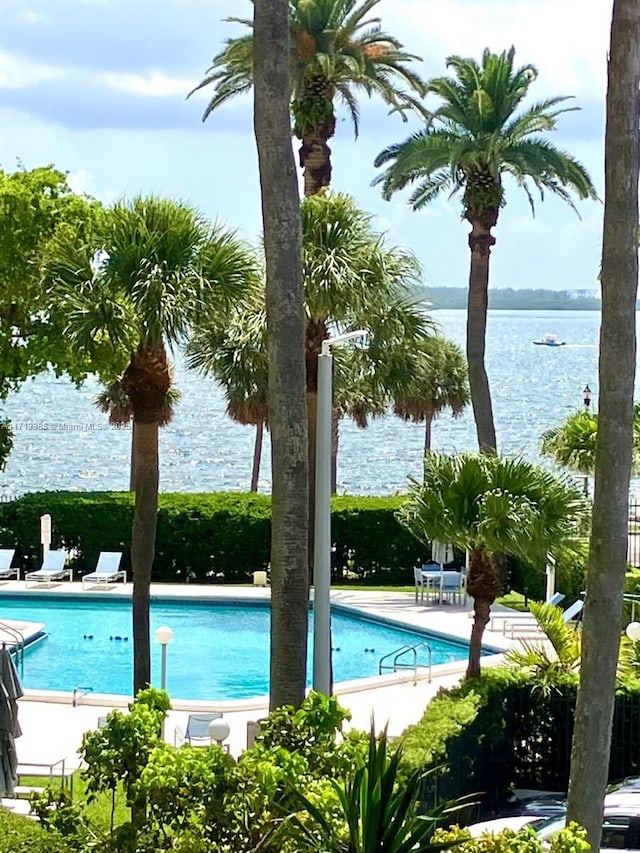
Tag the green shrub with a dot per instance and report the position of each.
(23, 835)
(208, 537)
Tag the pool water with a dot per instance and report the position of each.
(219, 651)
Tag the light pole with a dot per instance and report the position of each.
(586, 394)
(322, 521)
(164, 635)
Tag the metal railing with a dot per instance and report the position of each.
(78, 693)
(18, 646)
(396, 663)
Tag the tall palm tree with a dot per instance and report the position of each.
(114, 402)
(473, 140)
(160, 267)
(336, 51)
(617, 364)
(441, 383)
(352, 280)
(489, 505)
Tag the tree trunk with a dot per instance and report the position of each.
(608, 546)
(480, 242)
(428, 421)
(315, 159)
(335, 442)
(286, 342)
(143, 543)
(257, 456)
(482, 586)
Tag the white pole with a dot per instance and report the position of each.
(163, 667)
(551, 578)
(322, 546)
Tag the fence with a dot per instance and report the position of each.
(633, 539)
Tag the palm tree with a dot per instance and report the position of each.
(614, 447)
(472, 141)
(352, 280)
(335, 52)
(489, 505)
(161, 265)
(441, 383)
(113, 402)
(285, 331)
(572, 443)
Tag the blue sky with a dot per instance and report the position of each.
(98, 87)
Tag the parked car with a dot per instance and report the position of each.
(620, 826)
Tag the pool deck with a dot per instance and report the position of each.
(53, 726)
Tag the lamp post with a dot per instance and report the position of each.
(633, 631)
(164, 635)
(322, 521)
(586, 395)
(219, 730)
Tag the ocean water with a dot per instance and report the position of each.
(63, 442)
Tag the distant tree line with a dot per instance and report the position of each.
(521, 300)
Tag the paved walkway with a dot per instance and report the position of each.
(53, 727)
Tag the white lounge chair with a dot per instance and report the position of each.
(197, 730)
(107, 571)
(6, 558)
(573, 613)
(52, 569)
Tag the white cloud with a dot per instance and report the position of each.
(32, 17)
(154, 84)
(18, 73)
(566, 39)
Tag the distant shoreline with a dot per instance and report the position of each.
(516, 300)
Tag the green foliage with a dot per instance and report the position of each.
(476, 135)
(6, 442)
(210, 537)
(571, 839)
(22, 835)
(508, 506)
(535, 656)
(381, 815)
(334, 43)
(523, 299)
(37, 207)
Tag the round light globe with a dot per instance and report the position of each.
(164, 635)
(633, 631)
(219, 729)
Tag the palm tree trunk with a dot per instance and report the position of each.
(143, 541)
(257, 456)
(315, 158)
(608, 555)
(428, 421)
(482, 586)
(286, 344)
(480, 242)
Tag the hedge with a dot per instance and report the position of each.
(23, 835)
(209, 538)
(503, 731)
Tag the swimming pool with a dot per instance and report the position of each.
(219, 651)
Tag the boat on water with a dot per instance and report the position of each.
(549, 340)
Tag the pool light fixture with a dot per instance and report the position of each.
(164, 635)
(633, 631)
(219, 730)
(322, 521)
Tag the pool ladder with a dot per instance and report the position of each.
(18, 646)
(396, 662)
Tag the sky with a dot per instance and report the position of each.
(98, 88)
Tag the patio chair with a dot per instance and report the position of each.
(573, 613)
(52, 570)
(197, 730)
(6, 558)
(452, 584)
(524, 617)
(107, 570)
(419, 582)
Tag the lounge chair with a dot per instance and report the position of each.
(573, 613)
(6, 558)
(52, 570)
(524, 616)
(107, 571)
(197, 731)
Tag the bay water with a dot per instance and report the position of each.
(62, 441)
